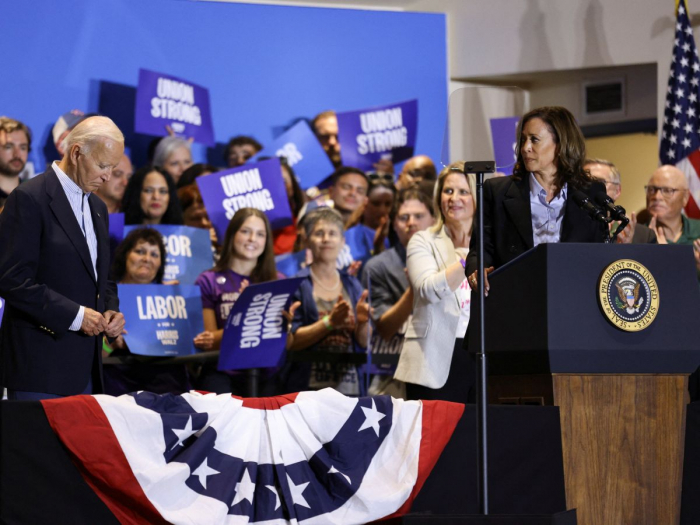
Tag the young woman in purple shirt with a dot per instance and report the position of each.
(247, 257)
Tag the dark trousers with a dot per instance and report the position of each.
(19, 395)
(460, 381)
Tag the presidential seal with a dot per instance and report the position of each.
(628, 295)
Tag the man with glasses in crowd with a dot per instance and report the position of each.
(667, 195)
(607, 173)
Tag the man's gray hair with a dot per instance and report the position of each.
(613, 169)
(322, 213)
(90, 131)
(166, 147)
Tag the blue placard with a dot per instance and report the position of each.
(289, 264)
(188, 251)
(503, 131)
(255, 333)
(164, 100)
(303, 152)
(358, 247)
(360, 241)
(385, 354)
(161, 320)
(258, 185)
(116, 227)
(382, 132)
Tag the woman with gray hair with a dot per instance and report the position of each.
(333, 315)
(174, 155)
(433, 362)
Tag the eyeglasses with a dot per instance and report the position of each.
(666, 192)
(383, 177)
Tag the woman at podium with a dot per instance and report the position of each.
(432, 363)
(534, 205)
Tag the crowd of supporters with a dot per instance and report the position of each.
(409, 273)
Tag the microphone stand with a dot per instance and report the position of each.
(480, 168)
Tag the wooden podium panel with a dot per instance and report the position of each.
(622, 440)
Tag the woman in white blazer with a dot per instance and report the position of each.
(433, 363)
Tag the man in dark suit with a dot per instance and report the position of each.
(53, 271)
(607, 173)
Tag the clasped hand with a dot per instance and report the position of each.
(110, 323)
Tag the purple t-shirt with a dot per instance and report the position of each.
(219, 292)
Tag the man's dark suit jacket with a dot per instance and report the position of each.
(508, 222)
(46, 274)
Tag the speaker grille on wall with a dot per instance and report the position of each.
(604, 98)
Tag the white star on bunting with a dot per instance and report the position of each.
(203, 471)
(245, 489)
(372, 418)
(297, 493)
(184, 433)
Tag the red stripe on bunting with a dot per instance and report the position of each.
(269, 403)
(439, 421)
(82, 426)
(691, 209)
(263, 403)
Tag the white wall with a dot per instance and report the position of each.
(496, 37)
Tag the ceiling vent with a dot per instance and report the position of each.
(604, 98)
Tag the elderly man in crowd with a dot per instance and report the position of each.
(667, 195)
(112, 191)
(607, 173)
(416, 170)
(53, 271)
(15, 141)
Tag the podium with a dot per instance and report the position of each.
(622, 394)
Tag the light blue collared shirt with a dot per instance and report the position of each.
(80, 205)
(546, 216)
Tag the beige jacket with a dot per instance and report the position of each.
(430, 338)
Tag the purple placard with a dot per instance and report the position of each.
(163, 100)
(258, 185)
(116, 227)
(503, 137)
(303, 152)
(371, 134)
(255, 333)
(2, 309)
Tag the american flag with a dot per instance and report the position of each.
(313, 457)
(680, 140)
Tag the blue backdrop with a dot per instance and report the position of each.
(264, 65)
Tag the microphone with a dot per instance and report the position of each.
(583, 202)
(616, 212)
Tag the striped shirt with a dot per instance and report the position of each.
(80, 205)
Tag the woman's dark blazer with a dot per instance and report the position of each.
(508, 222)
